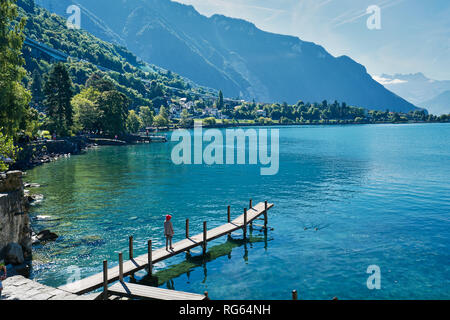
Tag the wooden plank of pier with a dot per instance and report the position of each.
(137, 291)
(136, 264)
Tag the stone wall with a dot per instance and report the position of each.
(14, 220)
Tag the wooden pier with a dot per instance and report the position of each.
(137, 291)
(135, 264)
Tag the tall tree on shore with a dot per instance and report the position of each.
(134, 122)
(14, 98)
(162, 119)
(36, 89)
(58, 92)
(146, 115)
(220, 103)
(87, 114)
(114, 107)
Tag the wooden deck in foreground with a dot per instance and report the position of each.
(136, 264)
(136, 291)
(21, 288)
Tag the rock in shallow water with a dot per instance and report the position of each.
(46, 235)
(14, 254)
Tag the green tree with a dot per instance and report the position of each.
(395, 117)
(31, 122)
(58, 92)
(186, 120)
(100, 83)
(162, 119)
(8, 152)
(87, 112)
(220, 103)
(114, 107)
(163, 112)
(134, 122)
(146, 115)
(156, 90)
(36, 89)
(14, 98)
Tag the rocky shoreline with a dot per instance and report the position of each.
(15, 228)
(17, 236)
(44, 151)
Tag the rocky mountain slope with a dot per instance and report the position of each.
(231, 54)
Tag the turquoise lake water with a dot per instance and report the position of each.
(377, 194)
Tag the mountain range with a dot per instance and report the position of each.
(420, 90)
(440, 104)
(232, 55)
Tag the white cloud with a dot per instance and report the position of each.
(386, 81)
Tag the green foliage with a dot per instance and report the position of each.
(186, 120)
(162, 119)
(285, 120)
(31, 122)
(163, 112)
(36, 89)
(146, 115)
(7, 150)
(220, 103)
(87, 113)
(264, 121)
(88, 55)
(44, 134)
(395, 117)
(114, 107)
(58, 92)
(211, 121)
(14, 98)
(101, 108)
(134, 122)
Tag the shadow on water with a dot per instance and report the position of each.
(165, 276)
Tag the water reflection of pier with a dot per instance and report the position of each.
(192, 262)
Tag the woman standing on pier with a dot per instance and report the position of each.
(168, 231)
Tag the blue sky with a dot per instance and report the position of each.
(414, 35)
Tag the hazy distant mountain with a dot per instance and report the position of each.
(419, 90)
(231, 54)
(438, 105)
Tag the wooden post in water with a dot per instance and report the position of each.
(205, 230)
(294, 295)
(130, 247)
(105, 279)
(251, 206)
(245, 223)
(121, 267)
(187, 234)
(187, 228)
(150, 258)
(229, 214)
(265, 214)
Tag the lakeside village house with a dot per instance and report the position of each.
(176, 109)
